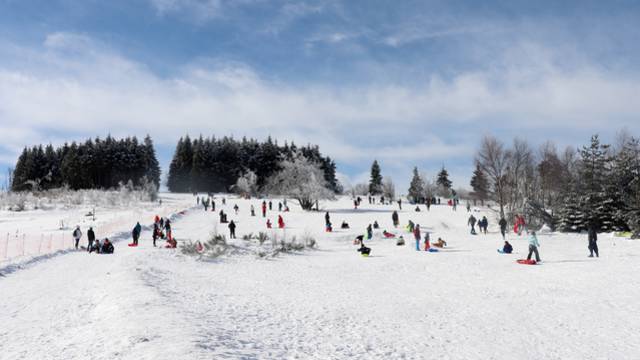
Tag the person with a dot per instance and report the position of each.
(503, 227)
(429, 204)
(167, 228)
(95, 247)
(355, 204)
(327, 218)
(253, 210)
(533, 246)
(279, 206)
(376, 225)
(107, 247)
(205, 204)
(213, 205)
(507, 248)
(280, 222)
(162, 223)
(232, 230)
(400, 241)
(382, 200)
(468, 206)
(221, 215)
(268, 223)
(264, 208)
(369, 232)
(156, 233)
(472, 222)
(236, 208)
(427, 241)
(224, 201)
(417, 208)
(411, 226)
(328, 227)
(365, 251)
(77, 234)
(520, 224)
(400, 204)
(135, 233)
(344, 225)
(171, 244)
(395, 218)
(417, 236)
(91, 237)
(593, 241)
(270, 205)
(485, 224)
(440, 243)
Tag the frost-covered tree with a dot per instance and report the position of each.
(247, 184)
(416, 188)
(301, 180)
(388, 189)
(493, 161)
(593, 174)
(375, 182)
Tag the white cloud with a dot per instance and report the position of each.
(198, 10)
(93, 90)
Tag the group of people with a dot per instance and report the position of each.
(93, 244)
(483, 224)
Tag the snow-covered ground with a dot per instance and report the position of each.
(465, 302)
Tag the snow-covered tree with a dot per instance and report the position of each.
(301, 180)
(388, 189)
(375, 183)
(247, 184)
(493, 161)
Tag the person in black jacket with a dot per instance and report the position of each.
(503, 227)
(91, 237)
(395, 218)
(593, 241)
(107, 247)
(507, 248)
(232, 230)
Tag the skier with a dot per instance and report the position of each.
(107, 247)
(503, 227)
(77, 234)
(232, 230)
(395, 218)
(472, 222)
(417, 235)
(533, 246)
(135, 233)
(593, 241)
(280, 222)
(369, 232)
(91, 236)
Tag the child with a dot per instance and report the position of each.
(440, 243)
(507, 248)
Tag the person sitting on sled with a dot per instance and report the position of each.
(400, 241)
(344, 225)
(96, 247)
(171, 244)
(107, 247)
(507, 248)
(440, 243)
(365, 251)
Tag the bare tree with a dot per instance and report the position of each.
(388, 189)
(493, 161)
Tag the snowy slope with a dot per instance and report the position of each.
(466, 302)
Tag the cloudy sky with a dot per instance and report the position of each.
(405, 82)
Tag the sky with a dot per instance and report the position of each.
(409, 83)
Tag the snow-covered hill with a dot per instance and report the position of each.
(465, 302)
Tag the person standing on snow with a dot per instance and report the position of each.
(369, 232)
(232, 230)
(485, 224)
(280, 222)
(270, 205)
(77, 234)
(417, 236)
(264, 208)
(253, 210)
(533, 246)
(593, 241)
(400, 204)
(327, 218)
(503, 227)
(156, 232)
(135, 233)
(395, 218)
(91, 237)
(472, 222)
(468, 207)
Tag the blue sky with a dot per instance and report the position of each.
(406, 82)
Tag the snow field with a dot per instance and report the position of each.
(465, 302)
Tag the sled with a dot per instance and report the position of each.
(432, 250)
(388, 235)
(133, 245)
(526, 262)
(500, 251)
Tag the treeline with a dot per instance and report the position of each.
(214, 165)
(94, 164)
(596, 185)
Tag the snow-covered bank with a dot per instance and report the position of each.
(465, 302)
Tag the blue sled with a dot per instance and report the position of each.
(502, 252)
(432, 250)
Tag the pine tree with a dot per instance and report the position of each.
(375, 183)
(572, 218)
(593, 176)
(480, 185)
(443, 183)
(416, 188)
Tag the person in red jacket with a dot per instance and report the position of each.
(264, 209)
(268, 223)
(280, 222)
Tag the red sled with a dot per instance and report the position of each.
(133, 245)
(388, 235)
(526, 262)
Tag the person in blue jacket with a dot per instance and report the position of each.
(136, 233)
(507, 248)
(533, 246)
